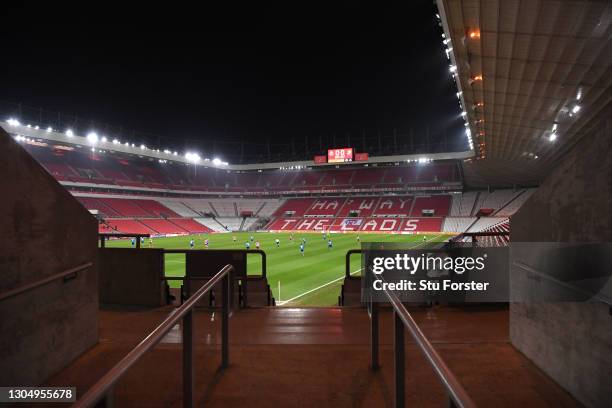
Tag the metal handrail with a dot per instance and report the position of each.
(44, 281)
(103, 388)
(402, 319)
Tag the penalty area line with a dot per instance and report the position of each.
(283, 302)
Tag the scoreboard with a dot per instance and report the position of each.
(342, 155)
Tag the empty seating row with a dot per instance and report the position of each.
(83, 166)
(391, 206)
(152, 226)
(374, 224)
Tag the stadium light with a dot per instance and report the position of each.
(552, 137)
(175, 153)
(92, 137)
(36, 127)
(142, 147)
(216, 161)
(115, 141)
(69, 133)
(554, 127)
(463, 114)
(13, 122)
(452, 69)
(192, 157)
(167, 151)
(49, 129)
(104, 139)
(575, 109)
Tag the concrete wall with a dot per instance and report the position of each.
(43, 231)
(132, 277)
(571, 342)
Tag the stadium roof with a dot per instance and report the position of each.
(35, 134)
(533, 76)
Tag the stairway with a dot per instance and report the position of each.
(315, 357)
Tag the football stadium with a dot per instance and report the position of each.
(465, 262)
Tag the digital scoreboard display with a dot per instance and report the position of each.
(343, 155)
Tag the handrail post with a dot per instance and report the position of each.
(188, 379)
(108, 401)
(374, 334)
(399, 355)
(225, 322)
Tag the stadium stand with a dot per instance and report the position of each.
(212, 224)
(374, 224)
(155, 208)
(437, 205)
(324, 207)
(394, 206)
(457, 224)
(129, 226)
(485, 223)
(294, 207)
(463, 204)
(224, 208)
(510, 208)
(189, 225)
(493, 201)
(359, 206)
(77, 165)
(161, 226)
(179, 208)
(201, 207)
(269, 207)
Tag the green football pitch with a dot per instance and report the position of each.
(313, 279)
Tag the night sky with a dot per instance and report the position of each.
(235, 73)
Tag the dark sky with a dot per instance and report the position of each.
(235, 72)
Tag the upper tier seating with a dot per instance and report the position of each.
(83, 166)
(368, 177)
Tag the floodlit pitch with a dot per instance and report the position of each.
(310, 280)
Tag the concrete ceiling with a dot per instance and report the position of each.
(524, 66)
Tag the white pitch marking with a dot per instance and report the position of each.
(317, 288)
(280, 303)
